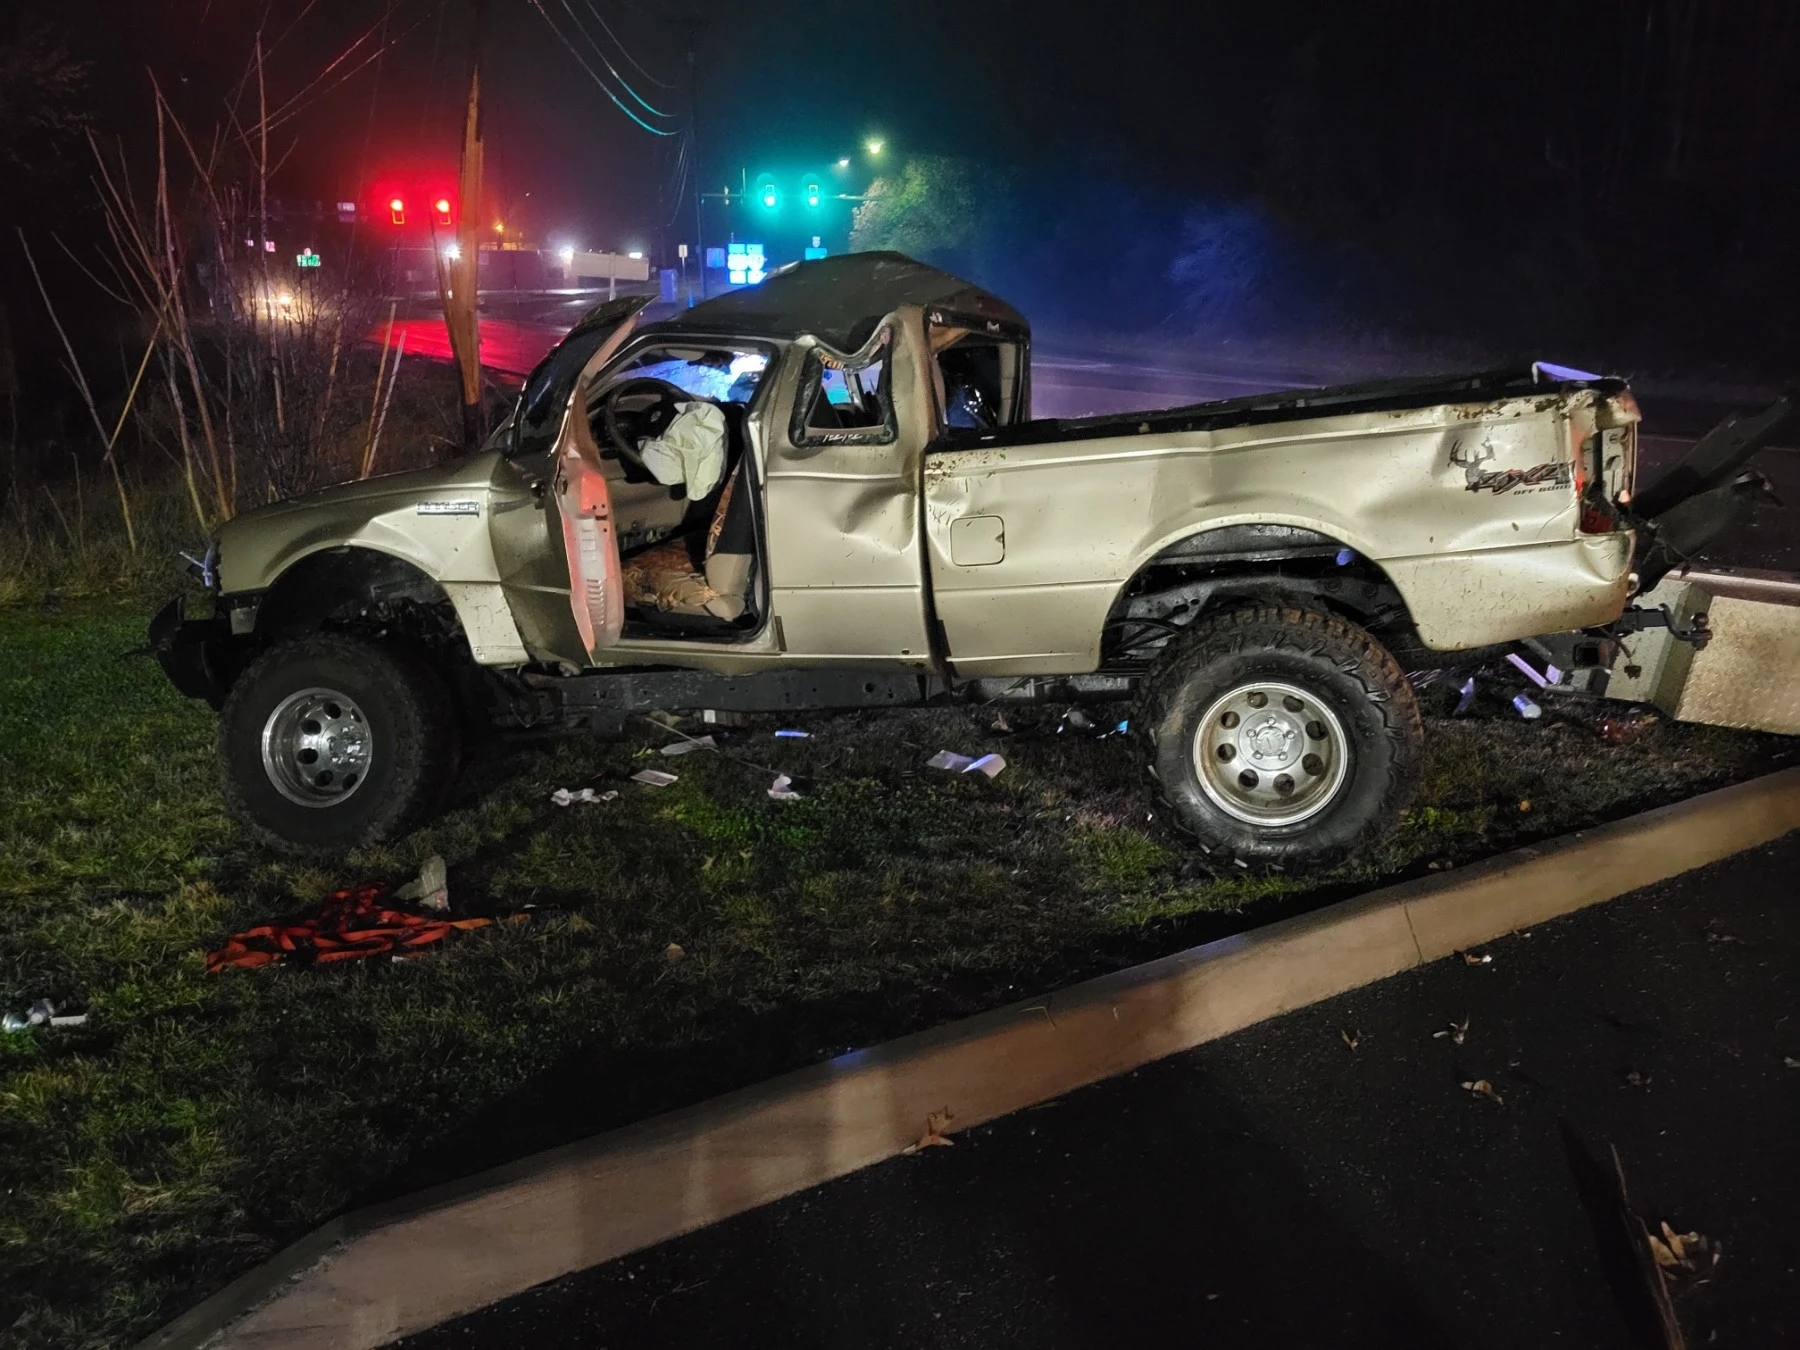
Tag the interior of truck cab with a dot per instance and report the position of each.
(668, 425)
(978, 378)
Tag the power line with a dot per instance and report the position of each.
(624, 83)
(654, 131)
(661, 84)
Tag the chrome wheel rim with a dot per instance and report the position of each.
(1270, 754)
(316, 747)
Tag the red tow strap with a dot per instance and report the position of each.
(350, 924)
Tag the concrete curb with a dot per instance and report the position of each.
(381, 1273)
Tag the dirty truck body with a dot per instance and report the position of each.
(828, 491)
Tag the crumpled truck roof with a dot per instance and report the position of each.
(838, 300)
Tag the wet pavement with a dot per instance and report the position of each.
(1282, 1187)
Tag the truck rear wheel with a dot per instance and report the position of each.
(1281, 738)
(330, 741)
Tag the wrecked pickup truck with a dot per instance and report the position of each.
(827, 491)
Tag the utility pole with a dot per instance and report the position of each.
(459, 279)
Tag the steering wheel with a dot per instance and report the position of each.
(650, 421)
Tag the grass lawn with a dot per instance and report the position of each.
(198, 1122)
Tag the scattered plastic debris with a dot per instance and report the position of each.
(1345, 556)
(1121, 729)
(783, 790)
(1468, 697)
(1525, 805)
(1790, 1061)
(949, 761)
(1421, 679)
(1077, 719)
(719, 717)
(1550, 676)
(673, 953)
(1351, 1038)
(689, 745)
(1635, 1079)
(1456, 1031)
(788, 735)
(934, 1135)
(1001, 725)
(664, 719)
(1476, 959)
(1528, 708)
(40, 1014)
(1480, 1087)
(573, 796)
(653, 777)
(431, 889)
(991, 765)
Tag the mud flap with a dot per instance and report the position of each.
(1706, 495)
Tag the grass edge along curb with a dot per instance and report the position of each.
(373, 1275)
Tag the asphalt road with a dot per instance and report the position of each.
(1282, 1188)
(516, 330)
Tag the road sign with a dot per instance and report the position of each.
(681, 251)
(346, 213)
(744, 264)
(715, 257)
(306, 258)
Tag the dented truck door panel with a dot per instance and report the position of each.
(554, 543)
(845, 548)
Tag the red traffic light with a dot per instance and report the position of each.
(442, 207)
(397, 211)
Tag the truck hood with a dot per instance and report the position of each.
(429, 517)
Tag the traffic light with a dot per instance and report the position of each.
(442, 207)
(397, 211)
(812, 194)
(770, 197)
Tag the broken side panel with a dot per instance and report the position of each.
(596, 591)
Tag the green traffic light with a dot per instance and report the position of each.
(812, 194)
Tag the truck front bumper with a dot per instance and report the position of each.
(201, 657)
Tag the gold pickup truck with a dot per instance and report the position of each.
(828, 491)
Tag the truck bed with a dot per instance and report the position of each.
(1254, 409)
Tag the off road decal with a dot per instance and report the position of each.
(1505, 480)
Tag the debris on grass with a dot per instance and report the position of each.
(673, 953)
(40, 1014)
(1001, 725)
(1480, 1087)
(719, 717)
(1635, 1079)
(783, 789)
(951, 762)
(1527, 707)
(350, 924)
(574, 796)
(788, 734)
(1467, 689)
(654, 777)
(1477, 959)
(1790, 1061)
(1550, 676)
(1077, 720)
(1456, 1031)
(1351, 1038)
(431, 888)
(934, 1135)
(689, 744)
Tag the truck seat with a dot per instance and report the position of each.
(699, 574)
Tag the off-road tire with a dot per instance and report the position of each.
(1332, 660)
(412, 725)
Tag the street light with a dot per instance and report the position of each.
(844, 163)
(874, 147)
(452, 251)
(567, 254)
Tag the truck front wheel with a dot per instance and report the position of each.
(329, 741)
(1281, 737)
